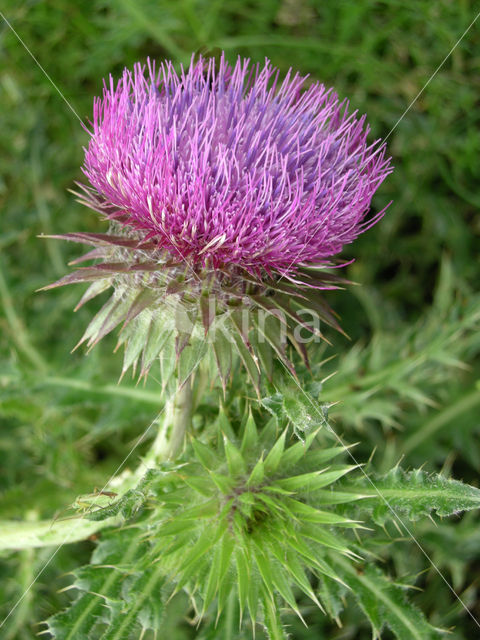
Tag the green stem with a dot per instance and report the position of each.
(18, 535)
(176, 420)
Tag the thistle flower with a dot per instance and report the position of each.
(225, 183)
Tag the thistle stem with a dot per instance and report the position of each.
(175, 421)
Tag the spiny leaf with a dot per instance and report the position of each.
(120, 588)
(250, 436)
(304, 413)
(142, 300)
(414, 494)
(308, 513)
(282, 585)
(134, 338)
(385, 604)
(235, 461)
(297, 451)
(257, 475)
(224, 483)
(297, 572)
(266, 356)
(274, 456)
(319, 456)
(205, 455)
(168, 358)
(204, 543)
(315, 480)
(273, 623)
(214, 576)
(243, 574)
(322, 536)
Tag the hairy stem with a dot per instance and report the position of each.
(176, 420)
(18, 535)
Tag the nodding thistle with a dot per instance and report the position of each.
(228, 194)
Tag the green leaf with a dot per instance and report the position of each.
(414, 494)
(274, 404)
(224, 483)
(332, 594)
(235, 461)
(304, 413)
(257, 475)
(144, 605)
(263, 565)
(281, 584)
(307, 513)
(243, 573)
(314, 480)
(273, 623)
(250, 436)
(205, 455)
(295, 569)
(201, 484)
(213, 577)
(322, 536)
(121, 588)
(134, 337)
(274, 456)
(249, 361)
(385, 604)
(317, 457)
(206, 541)
(296, 452)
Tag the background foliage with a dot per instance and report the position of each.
(407, 381)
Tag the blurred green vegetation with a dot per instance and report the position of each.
(64, 426)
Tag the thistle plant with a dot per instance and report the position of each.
(228, 194)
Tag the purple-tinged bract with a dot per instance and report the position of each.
(228, 166)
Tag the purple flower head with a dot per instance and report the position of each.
(228, 193)
(228, 166)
